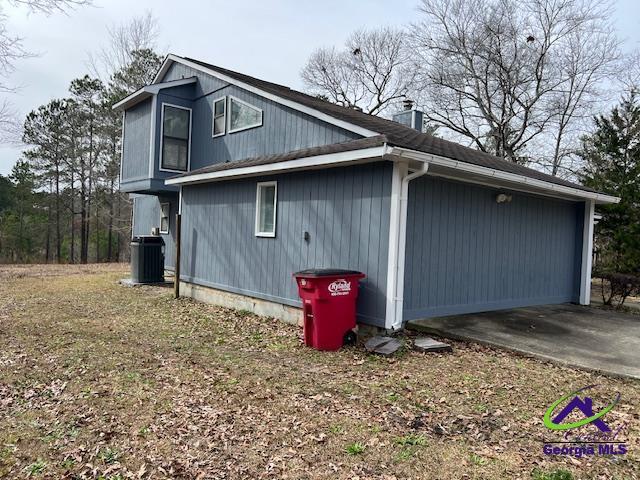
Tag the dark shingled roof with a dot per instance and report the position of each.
(348, 146)
(395, 134)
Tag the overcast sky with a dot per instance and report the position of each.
(268, 39)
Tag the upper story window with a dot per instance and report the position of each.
(219, 116)
(266, 201)
(176, 133)
(243, 115)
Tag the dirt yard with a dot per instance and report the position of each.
(102, 381)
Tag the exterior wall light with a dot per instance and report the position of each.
(503, 198)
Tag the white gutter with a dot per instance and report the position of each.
(599, 198)
(398, 241)
(301, 163)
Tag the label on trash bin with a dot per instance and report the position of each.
(339, 287)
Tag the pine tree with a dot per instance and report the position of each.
(612, 165)
(44, 131)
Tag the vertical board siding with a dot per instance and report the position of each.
(146, 215)
(283, 129)
(135, 149)
(466, 253)
(348, 228)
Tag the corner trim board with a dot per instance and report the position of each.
(152, 139)
(587, 253)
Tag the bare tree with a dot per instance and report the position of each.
(505, 74)
(629, 77)
(12, 50)
(49, 7)
(139, 33)
(370, 72)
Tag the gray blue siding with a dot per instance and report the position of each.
(136, 142)
(283, 129)
(146, 215)
(345, 211)
(466, 253)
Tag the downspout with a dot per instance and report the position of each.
(397, 246)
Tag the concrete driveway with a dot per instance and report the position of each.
(585, 337)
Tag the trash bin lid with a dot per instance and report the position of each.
(148, 239)
(325, 272)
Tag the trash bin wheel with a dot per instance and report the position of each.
(350, 338)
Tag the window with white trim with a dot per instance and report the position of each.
(165, 210)
(219, 116)
(266, 201)
(243, 115)
(176, 127)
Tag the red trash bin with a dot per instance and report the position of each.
(328, 305)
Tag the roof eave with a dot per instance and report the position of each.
(148, 91)
(306, 163)
(552, 189)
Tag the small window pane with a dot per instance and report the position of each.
(176, 122)
(174, 154)
(219, 107)
(218, 125)
(266, 209)
(244, 116)
(219, 116)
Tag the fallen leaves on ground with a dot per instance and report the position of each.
(99, 381)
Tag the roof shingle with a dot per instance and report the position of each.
(395, 134)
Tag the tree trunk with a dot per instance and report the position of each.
(83, 216)
(89, 193)
(72, 251)
(58, 235)
(97, 233)
(118, 232)
(110, 232)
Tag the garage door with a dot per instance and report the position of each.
(467, 253)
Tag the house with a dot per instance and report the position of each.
(270, 181)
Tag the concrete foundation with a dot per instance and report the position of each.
(286, 313)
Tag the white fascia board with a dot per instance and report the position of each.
(282, 101)
(298, 164)
(150, 90)
(130, 100)
(550, 187)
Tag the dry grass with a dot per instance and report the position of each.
(103, 381)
